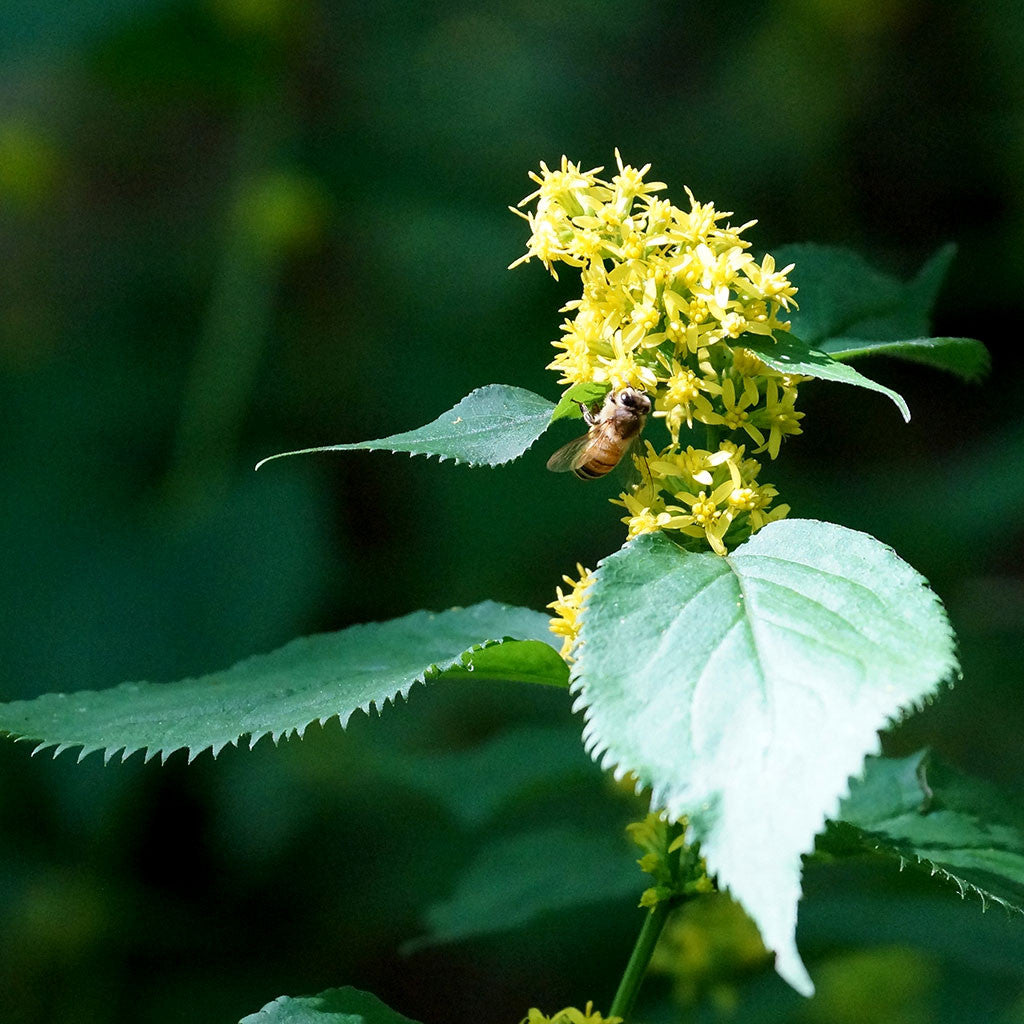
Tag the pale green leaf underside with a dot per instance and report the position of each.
(312, 679)
(335, 1006)
(490, 426)
(963, 828)
(518, 879)
(965, 357)
(747, 690)
(789, 354)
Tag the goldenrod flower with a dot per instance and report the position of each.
(668, 297)
(779, 416)
(567, 607)
(684, 393)
(736, 410)
(570, 1015)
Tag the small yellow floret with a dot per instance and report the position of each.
(567, 607)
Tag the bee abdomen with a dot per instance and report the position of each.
(604, 457)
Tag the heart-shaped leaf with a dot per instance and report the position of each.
(746, 690)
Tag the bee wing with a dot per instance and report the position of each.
(570, 455)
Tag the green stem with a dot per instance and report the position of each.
(622, 1004)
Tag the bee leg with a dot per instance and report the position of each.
(589, 417)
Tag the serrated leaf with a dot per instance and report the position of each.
(789, 354)
(516, 879)
(335, 1006)
(312, 679)
(964, 829)
(746, 690)
(586, 392)
(490, 426)
(850, 309)
(965, 357)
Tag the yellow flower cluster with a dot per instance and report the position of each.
(668, 297)
(708, 491)
(570, 1015)
(567, 607)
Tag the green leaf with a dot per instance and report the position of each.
(517, 879)
(841, 295)
(475, 784)
(335, 1006)
(788, 354)
(490, 426)
(312, 679)
(746, 690)
(850, 309)
(962, 828)
(965, 357)
(586, 392)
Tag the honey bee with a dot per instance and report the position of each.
(612, 431)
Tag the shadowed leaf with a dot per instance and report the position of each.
(312, 679)
(962, 828)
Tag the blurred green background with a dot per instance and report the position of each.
(234, 227)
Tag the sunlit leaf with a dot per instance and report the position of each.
(312, 679)
(335, 1006)
(490, 426)
(585, 392)
(746, 690)
(789, 354)
(962, 828)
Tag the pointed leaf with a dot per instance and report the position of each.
(335, 1006)
(788, 354)
(312, 679)
(746, 690)
(965, 357)
(963, 828)
(490, 426)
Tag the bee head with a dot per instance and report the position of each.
(635, 401)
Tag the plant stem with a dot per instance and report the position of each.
(622, 1004)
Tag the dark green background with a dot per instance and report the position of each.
(233, 227)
